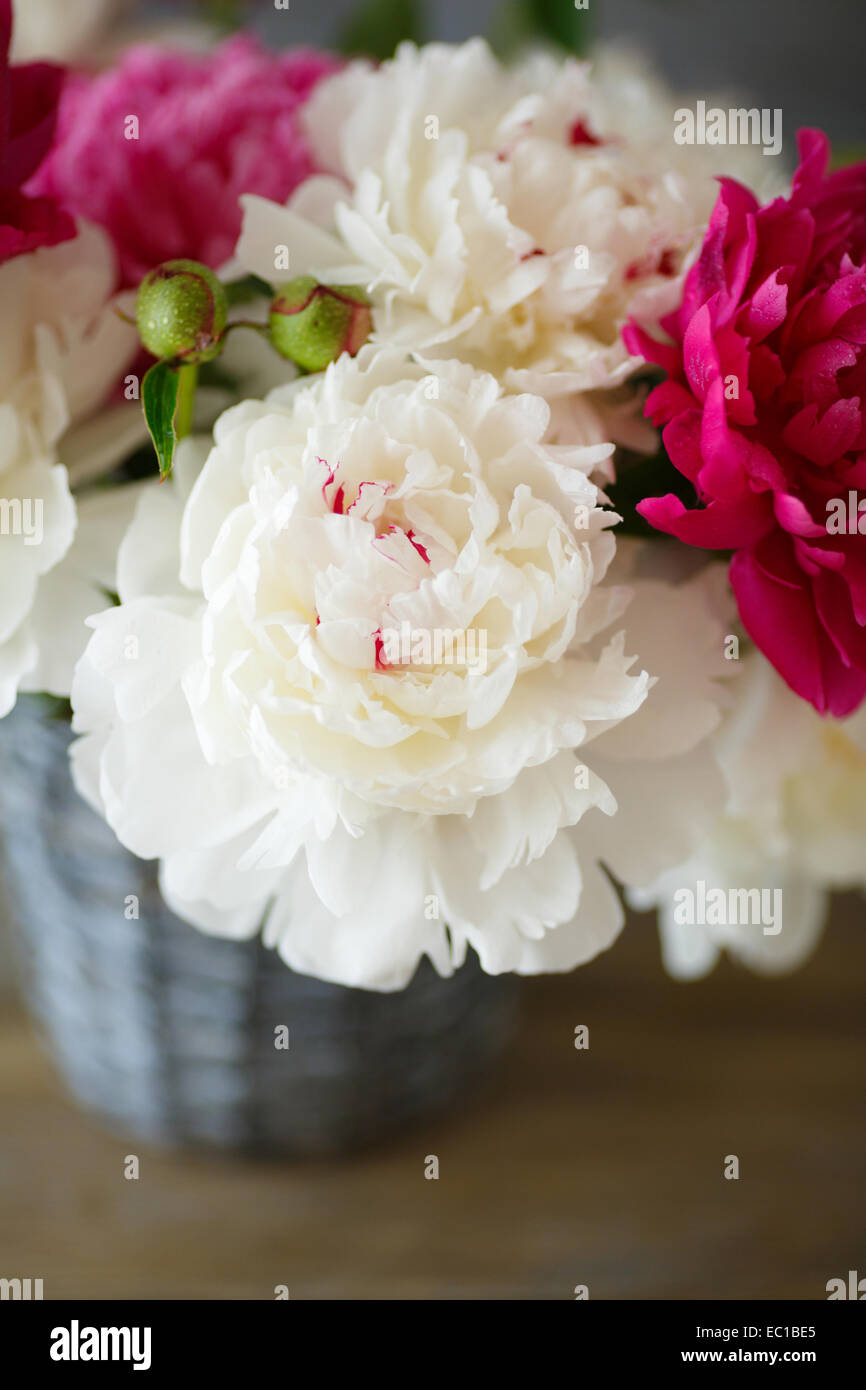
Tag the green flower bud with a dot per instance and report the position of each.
(312, 323)
(180, 311)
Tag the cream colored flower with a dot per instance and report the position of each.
(62, 347)
(372, 802)
(502, 216)
(793, 826)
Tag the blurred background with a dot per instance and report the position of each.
(804, 57)
(601, 1167)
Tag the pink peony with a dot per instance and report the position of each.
(762, 413)
(28, 108)
(209, 128)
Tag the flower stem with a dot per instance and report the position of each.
(187, 380)
(256, 327)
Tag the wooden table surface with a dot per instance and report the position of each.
(601, 1167)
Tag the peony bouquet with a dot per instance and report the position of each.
(436, 487)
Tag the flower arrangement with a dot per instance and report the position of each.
(330, 503)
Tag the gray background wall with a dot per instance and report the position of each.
(806, 56)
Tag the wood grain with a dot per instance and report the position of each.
(601, 1167)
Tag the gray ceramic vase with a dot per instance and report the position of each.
(169, 1035)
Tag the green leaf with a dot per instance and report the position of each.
(558, 21)
(159, 392)
(377, 26)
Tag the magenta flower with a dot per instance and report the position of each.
(763, 413)
(159, 149)
(28, 108)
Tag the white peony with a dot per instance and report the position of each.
(631, 98)
(62, 347)
(250, 715)
(793, 824)
(79, 585)
(507, 217)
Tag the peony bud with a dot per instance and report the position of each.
(313, 324)
(181, 312)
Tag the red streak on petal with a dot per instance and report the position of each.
(330, 478)
(422, 551)
(381, 663)
(580, 134)
(334, 504)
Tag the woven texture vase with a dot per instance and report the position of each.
(169, 1034)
